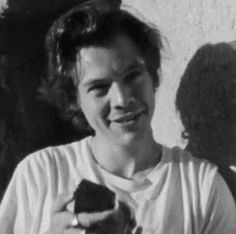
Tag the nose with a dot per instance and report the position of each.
(121, 96)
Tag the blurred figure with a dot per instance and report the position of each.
(206, 100)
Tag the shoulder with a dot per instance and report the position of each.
(53, 156)
(181, 157)
(202, 171)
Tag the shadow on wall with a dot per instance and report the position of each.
(26, 123)
(206, 100)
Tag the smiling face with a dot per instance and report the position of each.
(116, 92)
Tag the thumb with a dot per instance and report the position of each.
(62, 201)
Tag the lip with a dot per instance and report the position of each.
(128, 117)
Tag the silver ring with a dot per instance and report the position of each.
(74, 222)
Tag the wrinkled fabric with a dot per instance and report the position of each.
(181, 195)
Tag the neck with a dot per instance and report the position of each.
(126, 160)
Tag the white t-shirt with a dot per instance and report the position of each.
(182, 195)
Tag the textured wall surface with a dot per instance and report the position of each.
(185, 25)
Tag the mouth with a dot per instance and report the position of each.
(129, 117)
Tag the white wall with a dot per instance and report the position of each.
(186, 24)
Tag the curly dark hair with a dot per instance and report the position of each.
(206, 95)
(91, 24)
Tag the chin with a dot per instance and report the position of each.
(127, 138)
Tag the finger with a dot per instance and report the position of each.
(121, 213)
(61, 202)
(87, 220)
(64, 220)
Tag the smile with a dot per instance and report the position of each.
(129, 117)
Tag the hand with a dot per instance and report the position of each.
(116, 221)
(62, 220)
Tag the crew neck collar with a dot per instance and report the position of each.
(126, 183)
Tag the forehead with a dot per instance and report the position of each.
(116, 57)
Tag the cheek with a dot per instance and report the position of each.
(88, 107)
(150, 96)
(147, 94)
(85, 105)
(94, 109)
(145, 90)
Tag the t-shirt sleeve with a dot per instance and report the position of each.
(220, 209)
(18, 204)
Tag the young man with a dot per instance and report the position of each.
(104, 67)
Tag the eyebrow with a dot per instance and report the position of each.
(96, 81)
(139, 63)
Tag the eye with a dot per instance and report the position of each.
(99, 89)
(132, 76)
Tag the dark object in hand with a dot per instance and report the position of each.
(91, 197)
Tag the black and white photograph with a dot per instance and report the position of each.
(118, 117)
